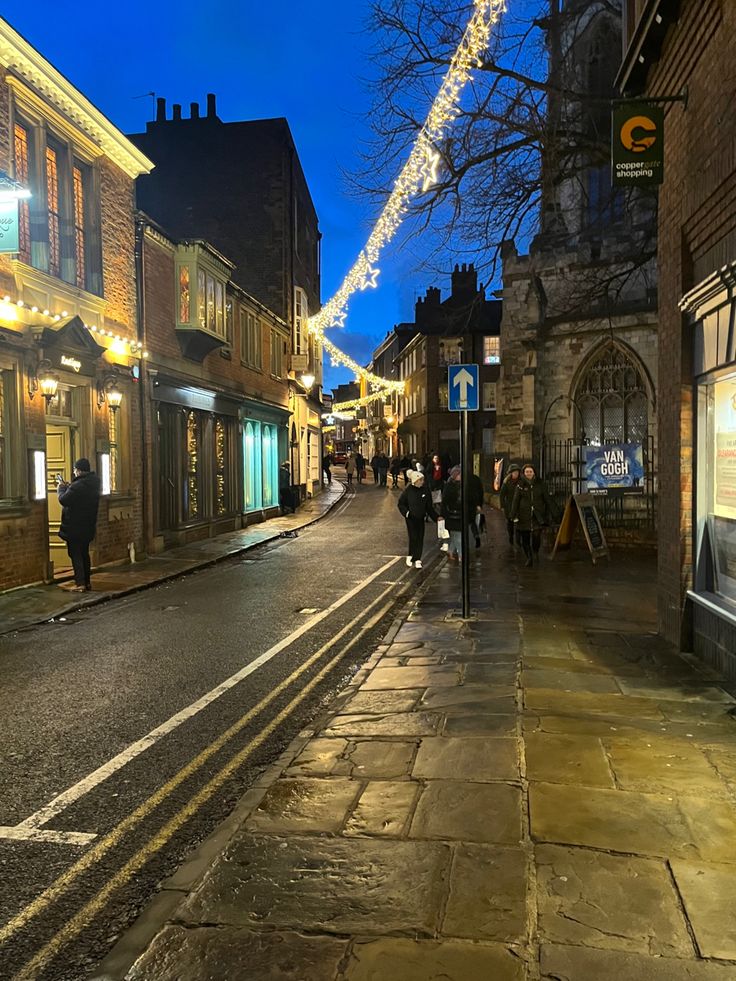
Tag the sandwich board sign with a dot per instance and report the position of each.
(581, 512)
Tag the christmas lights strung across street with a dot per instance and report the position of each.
(418, 176)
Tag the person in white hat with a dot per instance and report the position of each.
(415, 504)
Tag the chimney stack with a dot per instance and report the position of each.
(177, 111)
(160, 110)
(211, 105)
(194, 110)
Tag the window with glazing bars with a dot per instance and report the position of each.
(79, 244)
(52, 199)
(22, 175)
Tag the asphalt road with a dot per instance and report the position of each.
(130, 731)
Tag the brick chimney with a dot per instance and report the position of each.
(464, 281)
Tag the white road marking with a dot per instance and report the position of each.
(72, 794)
(20, 833)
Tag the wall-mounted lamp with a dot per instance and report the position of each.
(307, 380)
(43, 379)
(109, 391)
(11, 190)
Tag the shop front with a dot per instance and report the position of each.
(712, 305)
(265, 435)
(196, 486)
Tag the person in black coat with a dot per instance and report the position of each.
(286, 499)
(474, 503)
(80, 501)
(506, 496)
(532, 509)
(415, 504)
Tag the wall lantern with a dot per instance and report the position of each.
(109, 391)
(45, 379)
(307, 380)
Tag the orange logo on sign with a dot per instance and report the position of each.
(638, 134)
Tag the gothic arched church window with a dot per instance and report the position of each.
(612, 398)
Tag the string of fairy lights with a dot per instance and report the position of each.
(418, 176)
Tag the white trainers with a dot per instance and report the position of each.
(418, 564)
(408, 560)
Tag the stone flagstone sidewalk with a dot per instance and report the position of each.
(545, 793)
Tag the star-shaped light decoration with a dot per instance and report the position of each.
(338, 320)
(429, 168)
(370, 278)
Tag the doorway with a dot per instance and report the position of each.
(60, 449)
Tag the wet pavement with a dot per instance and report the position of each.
(545, 792)
(27, 606)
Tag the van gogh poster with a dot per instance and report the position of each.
(618, 467)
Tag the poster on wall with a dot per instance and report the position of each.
(9, 226)
(725, 503)
(618, 467)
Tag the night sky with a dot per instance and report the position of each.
(294, 59)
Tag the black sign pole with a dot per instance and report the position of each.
(464, 458)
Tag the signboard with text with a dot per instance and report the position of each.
(637, 145)
(9, 234)
(618, 467)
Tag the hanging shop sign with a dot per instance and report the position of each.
(618, 468)
(637, 145)
(9, 240)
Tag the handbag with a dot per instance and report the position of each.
(436, 497)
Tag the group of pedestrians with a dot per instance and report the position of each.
(527, 507)
(433, 493)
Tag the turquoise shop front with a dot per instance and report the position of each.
(265, 440)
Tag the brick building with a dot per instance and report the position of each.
(240, 187)
(462, 328)
(216, 393)
(670, 45)
(579, 327)
(67, 317)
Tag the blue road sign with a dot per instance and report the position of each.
(462, 388)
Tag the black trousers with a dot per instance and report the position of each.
(375, 475)
(530, 540)
(79, 554)
(328, 474)
(511, 528)
(415, 528)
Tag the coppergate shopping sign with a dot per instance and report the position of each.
(637, 145)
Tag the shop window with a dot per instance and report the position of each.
(3, 440)
(277, 354)
(220, 467)
(192, 465)
(716, 496)
(612, 399)
(491, 350)
(252, 463)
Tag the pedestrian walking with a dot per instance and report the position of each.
(455, 522)
(475, 498)
(532, 510)
(395, 470)
(286, 498)
(435, 479)
(374, 467)
(80, 501)
(415, 504)
(350, 465)
(327, 462)
(506, 497)
(405, 466)
(383, 465)
(359, 466)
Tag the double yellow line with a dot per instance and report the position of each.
(64, 883)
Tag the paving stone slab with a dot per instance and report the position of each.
(405, 724)
(423, 661)
(383, 679)
(552, 663)
(567, 759)
(307, 804)
(384, 809)
(469, 698)
(663, 765)
(487, 899)
(321, 757)
(411, 960)
(681, 711)
(613, 902)
(563, 963)
(485, 724)
(477, 760)
(381, 702)
(481, 812)
(210, 954)
(569, 681)
(492, 674)
(376, 759)
(643, 824)
(709, 894)
(684, 691)
(548, 702)
(325, 885)
(700, 732)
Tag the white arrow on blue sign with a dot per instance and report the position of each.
(462, 388)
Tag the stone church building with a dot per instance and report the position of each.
(579, 325)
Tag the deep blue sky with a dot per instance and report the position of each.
(301, 60)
